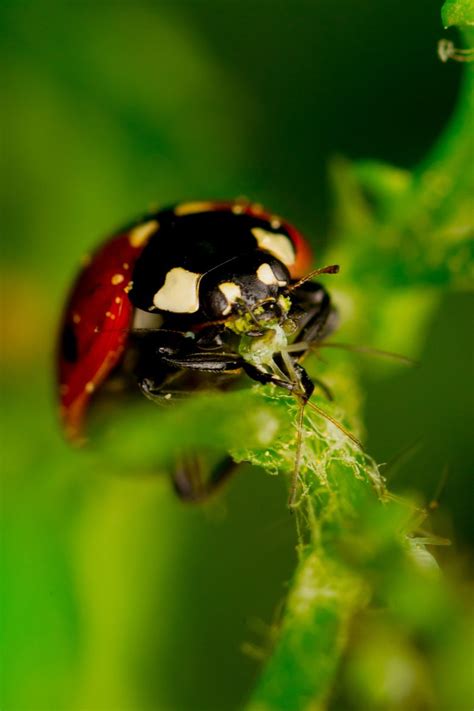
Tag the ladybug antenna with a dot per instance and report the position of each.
(331, 269)
(245, 308)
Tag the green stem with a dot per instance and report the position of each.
(321, 604)
(335, 577)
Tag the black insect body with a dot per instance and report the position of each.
(190, 296)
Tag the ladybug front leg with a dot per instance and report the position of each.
(179, 374)
(205, 362)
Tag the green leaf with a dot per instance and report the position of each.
(458, 13)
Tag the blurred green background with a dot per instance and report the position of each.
(116, 597)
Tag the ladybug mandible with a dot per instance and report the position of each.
(194, 294)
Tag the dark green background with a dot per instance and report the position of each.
(117, 597)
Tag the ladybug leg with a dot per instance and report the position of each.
(192, 480)
(168, 351)
(189, 480)
(166, 357)
(205, 362)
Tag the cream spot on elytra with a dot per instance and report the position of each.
(180, 292)
(277, 244)
(140, 235)
(117, 279)
(193, 208)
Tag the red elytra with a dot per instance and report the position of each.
(99, 314)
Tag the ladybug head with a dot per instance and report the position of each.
(250, 286)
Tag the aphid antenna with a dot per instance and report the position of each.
(304, 345)
(372, 351)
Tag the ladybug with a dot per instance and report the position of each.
(190, 296)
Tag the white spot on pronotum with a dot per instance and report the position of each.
(193, 208)
(90, 387)
(231, 292)
(278, 245)
(266, 275)
(275, 223)
(180, 292)
(168, 396)
(117, 279)
(140, 235)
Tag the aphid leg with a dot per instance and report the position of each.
(325, 389)
(434, 503)
(337, 424)
(447, 50)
